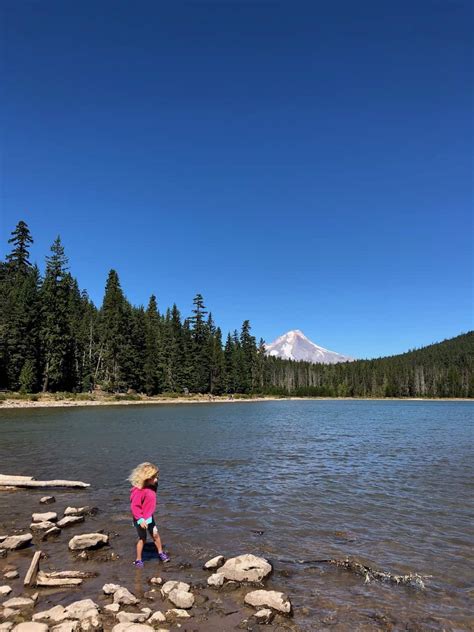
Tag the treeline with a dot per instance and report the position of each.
(53, 338)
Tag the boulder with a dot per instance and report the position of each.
(68, 521)
(216, 580)
(124, 597)
(88, 541)
(83, 609)
(246, 568)
(42, 526)
(270, 599)
(5, 590)
(181, 598)
(18, 603)
(14, 542)
(264, 616)
(30, 626)
(47, 500)
(109, 589)
(216, 562)
(48, 516)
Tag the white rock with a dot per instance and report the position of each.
(30, 626)
(7, 626)
(246, 568)
(269, 598)
(14, 542)
(5, 590)
(12, 575)
(19, 602)
(181, 598)
(216, 562)
(74, 511)
(132, 617)
(131, 627)
(48, 516)
(109, 589)
(51, 532)
(68, 521)
(67, 626)
(156, 580)
(41, 526)
(47, 500)
(9, 612)
(174, 585)
(176, 613)
(147, 611)
(112, 607)
(215, 580)
(124, 597)
(157, 617)
(82, 609)
(264, 616)
(91, 623)
(55, 615)
(88, 541)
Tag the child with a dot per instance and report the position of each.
(144, 479)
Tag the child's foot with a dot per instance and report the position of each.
(164, 557)
(138, 564)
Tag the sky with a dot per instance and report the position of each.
(304, 165)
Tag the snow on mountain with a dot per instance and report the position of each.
(294, 345)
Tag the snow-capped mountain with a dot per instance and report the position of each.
(295, 346)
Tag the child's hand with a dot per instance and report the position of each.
(143, 525)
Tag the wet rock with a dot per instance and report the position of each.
(156, 580)
(88, 541)
(132, 617)
(150, 594)
(12, 575)
(178, 593)
(112, 607)
(47, 500)
(175, 614)
(91, 624)
(41, 526)
(264, 616)
(216, 580)
(50, 533)
(109, 589)
(246, 568)
(67, 626)
(18, 603)
(14, 542)
(48, 516)
(82, 609)
(124, 597)
(79, 511)
(30, 626)
(5, 590)
(174, 585)
(269, 598)
(53, 615)
(215, 562)
(68, 521)
(9, 612)
(157, 617)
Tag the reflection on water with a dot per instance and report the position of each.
(387, 482)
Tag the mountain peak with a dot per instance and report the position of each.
(294, 345)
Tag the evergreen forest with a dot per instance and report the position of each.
(54, 339)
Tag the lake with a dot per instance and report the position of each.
(388, 483)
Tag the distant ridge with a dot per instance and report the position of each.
(294, 345)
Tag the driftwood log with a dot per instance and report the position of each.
(28, 481)
(30, 577)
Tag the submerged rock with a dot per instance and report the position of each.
(50, 533)
(264, 616)
(269, 598)
(88, 541)
(47, 500)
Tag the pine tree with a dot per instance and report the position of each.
(18, 259)
(248, 361)
(153, 366)
(200, 337)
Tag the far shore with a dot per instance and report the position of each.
(50, 401)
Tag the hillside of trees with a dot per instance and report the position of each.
(53, 338)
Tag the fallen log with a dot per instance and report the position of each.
(30, 577)
(44, 580)
(14, 477)
(28, 482)
(70, 574)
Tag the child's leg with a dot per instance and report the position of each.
(140, 544)
(157, 540)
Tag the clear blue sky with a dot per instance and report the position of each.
(303, 165)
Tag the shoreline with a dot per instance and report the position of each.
(49, 401)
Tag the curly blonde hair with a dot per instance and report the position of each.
(142, 473)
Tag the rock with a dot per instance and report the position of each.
(47, 500)
(131, 627)
(124, 597)
(269, 598)
(3, 553)
(176, 613)
(41, 526)
(14, 542)
(19, 603)
(5, 590)
(12, 575)
(68, 521)
(112, 607)
(215, 580)
(75, 511)
(7, 626)
(83, 609)
(157, 617)
(181, 598)
(132, 617)
(50, 533)
(264, 616)
(30, 626)
(156, 580)
(67, 626)
(53, 615)
(49, 516)
(91, 624)
(174, 585)
(88, 541)
(216, 562)
(246, 568)
(109, 589)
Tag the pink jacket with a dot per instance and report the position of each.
(142, 502)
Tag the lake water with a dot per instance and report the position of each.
(387, 483)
